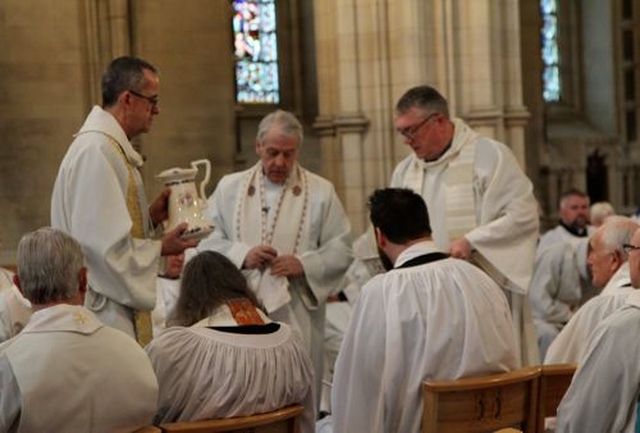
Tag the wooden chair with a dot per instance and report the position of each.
(285, 420)
(148, 429)
(482, 404)
(11, 267)
(554, 382)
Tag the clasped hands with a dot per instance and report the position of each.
(263, 256)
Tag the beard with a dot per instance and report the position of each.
(581, 222)
(386, 261)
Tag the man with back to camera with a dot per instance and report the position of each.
(405, 321)
(481, 204)
(99, 199)
(66, 371)
(286, 229)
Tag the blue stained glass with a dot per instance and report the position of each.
(256, 51)
(549, 51)
(548, 6)
(551, 78)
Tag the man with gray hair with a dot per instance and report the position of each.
(609, 266)
(53, 374)
(286, 229)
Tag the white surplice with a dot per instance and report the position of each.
(506, 219)
(324, 249)
(89, 202)
(571, 342)
(442, 320)
(67, 372)
(205, 373)
(555, 291)
(560, 234)
(603, 394)
(15, 310)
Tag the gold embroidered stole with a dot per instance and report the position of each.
(142, 319)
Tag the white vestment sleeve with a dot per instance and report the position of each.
(10, 406)
(555, 285)
(358, 389)
(89, 202)
(329, 255)
(603, 394)
(507, 231)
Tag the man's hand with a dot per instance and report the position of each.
(460, 249)
(259, 257)
(286, 266)
(173, 244)
(159, 209)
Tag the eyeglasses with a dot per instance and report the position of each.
(411, 131)
(628, 248)
(153, 100)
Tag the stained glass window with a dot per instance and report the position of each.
(256, 51)
(550, 54)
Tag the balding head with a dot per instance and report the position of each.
(606, 248)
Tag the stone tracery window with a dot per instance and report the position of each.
(552, 85)
(256, 52)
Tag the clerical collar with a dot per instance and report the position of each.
(424, 259)
(576, 231)
(445, 150)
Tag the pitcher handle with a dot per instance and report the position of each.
(207, 174)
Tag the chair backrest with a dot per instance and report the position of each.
(285, 420)
(10, 267)
(554, 382)
(482, 404)
(148, 429)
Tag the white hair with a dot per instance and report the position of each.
(616, 232)
(600, 211)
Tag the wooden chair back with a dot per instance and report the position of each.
(285, 420)
(11, 267)
(482, 404)
(148, 429)
(554, 382)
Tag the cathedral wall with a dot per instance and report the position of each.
(42, 103)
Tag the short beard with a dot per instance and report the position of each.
(386, 261)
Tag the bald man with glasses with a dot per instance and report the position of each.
(480, 202)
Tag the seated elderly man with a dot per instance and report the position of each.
(429, 317)
(15, 310)
(226, 358)
(603, 396)
(610, 269)
(66, 371)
